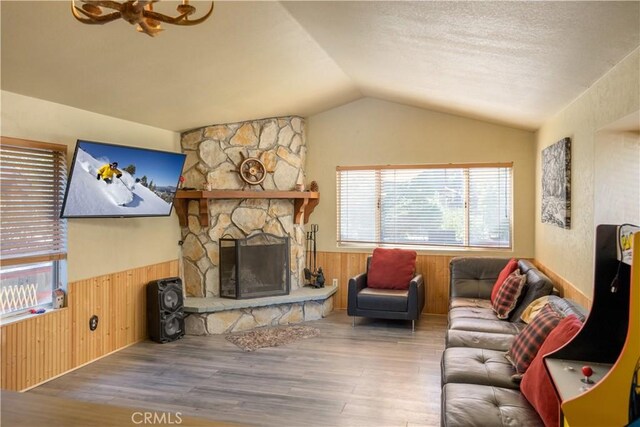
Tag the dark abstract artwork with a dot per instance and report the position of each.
(556, 184)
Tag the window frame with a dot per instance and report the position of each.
(57, 256)
(421, 246)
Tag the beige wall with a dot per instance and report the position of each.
(617, 177)
(373, 132)
(136, 241)
(569, 253)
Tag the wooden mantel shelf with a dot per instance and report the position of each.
(304, 202)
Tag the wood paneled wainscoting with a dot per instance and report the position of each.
(344, 265)
(435, 270)
(39, 348)
(566, 288)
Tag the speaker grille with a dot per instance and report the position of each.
(171, 298)
(172, 325)
(165, 314)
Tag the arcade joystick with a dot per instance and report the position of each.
(587, 372)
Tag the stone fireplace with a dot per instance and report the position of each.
(213, 154)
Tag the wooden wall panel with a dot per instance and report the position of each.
(119, 301)
(565, 287)
(35, 349)
(435, 270)
(39, 348)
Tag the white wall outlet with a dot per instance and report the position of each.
(335, 282)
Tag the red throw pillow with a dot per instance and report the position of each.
(506, 272)
(508, 294)
(528, 342)
(391, 268)
(536, 385)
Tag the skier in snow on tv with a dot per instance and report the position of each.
(107, 172)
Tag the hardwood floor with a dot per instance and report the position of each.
(376, 374)
(31, 409)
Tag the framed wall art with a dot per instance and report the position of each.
(556, 184)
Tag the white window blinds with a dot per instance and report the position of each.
(32, 182)
(490, 207)
(429, 205)
(358, 201)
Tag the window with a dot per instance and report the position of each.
(428, 205)
(32, 235)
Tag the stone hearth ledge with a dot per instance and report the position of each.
(208, 316)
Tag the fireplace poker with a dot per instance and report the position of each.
(314, 230)
(307, 270)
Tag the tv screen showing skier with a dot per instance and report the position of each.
(109, 180)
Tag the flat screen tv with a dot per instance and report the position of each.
(108, 180)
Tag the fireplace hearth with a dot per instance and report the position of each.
(257, 266)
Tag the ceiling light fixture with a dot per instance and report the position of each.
(135, 12)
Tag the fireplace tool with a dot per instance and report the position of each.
(314, 277)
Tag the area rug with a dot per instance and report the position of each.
(271, 337)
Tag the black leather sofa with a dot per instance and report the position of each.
(385, 303)
(477, 385)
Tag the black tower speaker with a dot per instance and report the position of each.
(165, 315)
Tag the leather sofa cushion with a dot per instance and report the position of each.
(476, 313)
(472, 405)
(475, 276)
(485, 325)
(568, 307)
(383, 299)
(475, 339)
(469, 302)
(477, 366)
(525, 265)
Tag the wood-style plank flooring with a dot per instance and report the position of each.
(376, 374)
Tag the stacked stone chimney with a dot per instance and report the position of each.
(213, 154)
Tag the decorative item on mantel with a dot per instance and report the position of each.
(252, 171)
(314, 187)
(135, 12)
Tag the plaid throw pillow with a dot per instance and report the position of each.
(530, 339)
(508, 294)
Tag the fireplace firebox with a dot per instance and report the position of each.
(257, 266)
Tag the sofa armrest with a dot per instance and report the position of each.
(356, 284)
(474, 277)
(416, 297)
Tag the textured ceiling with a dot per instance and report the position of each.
(249, 60)
(516, 63)
(512, 62)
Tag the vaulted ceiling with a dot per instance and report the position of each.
(516, 63)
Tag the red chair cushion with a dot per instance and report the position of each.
(527, 343)
(536, 385)
(506, 272)
(508, 294)
(391, 268)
